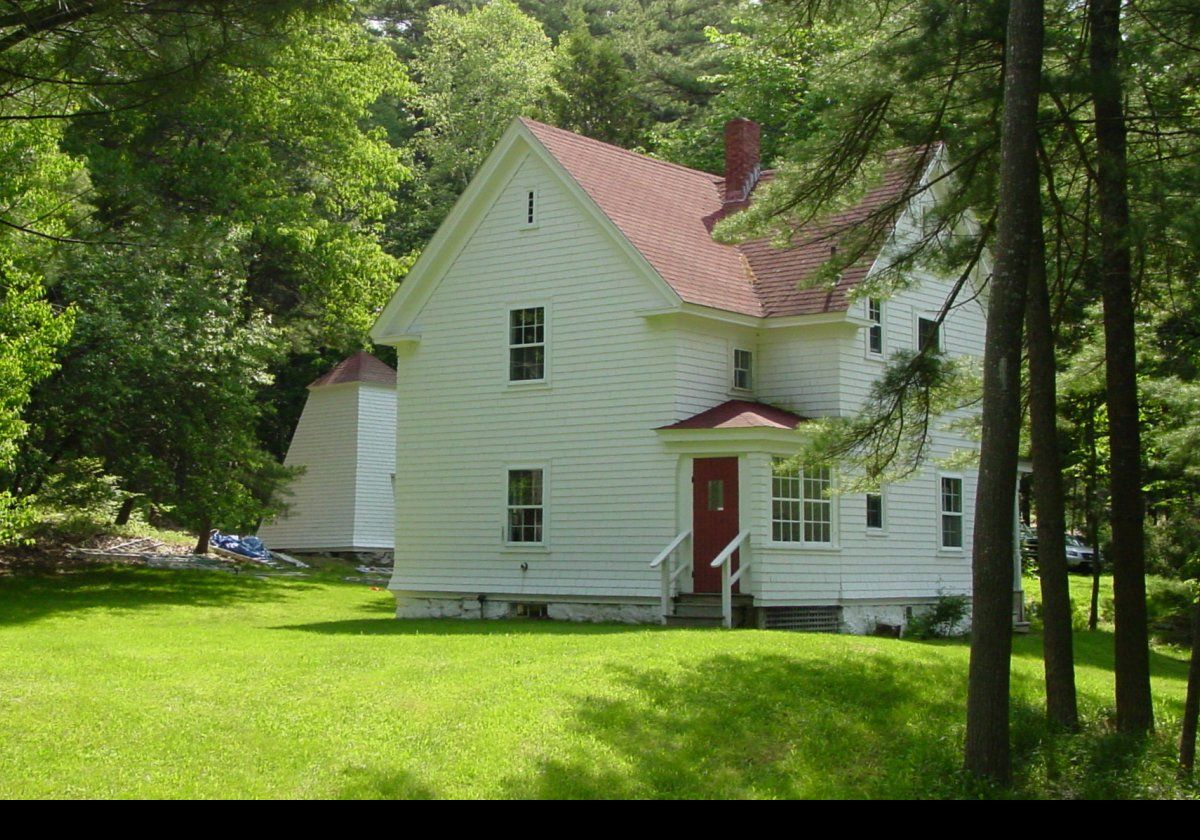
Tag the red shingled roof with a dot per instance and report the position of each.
(667, 211)
(361, 367)
(740, 414)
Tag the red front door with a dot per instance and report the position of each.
(714, 518)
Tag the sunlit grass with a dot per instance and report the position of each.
(141, 683)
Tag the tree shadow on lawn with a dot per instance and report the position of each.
(765, 726)
(830, 725)
(25, 599)
(1094, 648)
(388, 625)
(362, 783)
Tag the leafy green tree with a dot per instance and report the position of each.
(767, 61)
(163, 379)
(478, 70)
(664, 41)
(36, 193)
(248, 205)
(593, 91)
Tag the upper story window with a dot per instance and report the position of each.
(527, 344)
(928, 335)
(952, 512)
(743, 370)
(875, 511)
(526, 511)
(875, 331)
(801, 505)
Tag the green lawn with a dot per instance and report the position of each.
(128, 683)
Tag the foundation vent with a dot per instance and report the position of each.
(531, 611)
(804, 619)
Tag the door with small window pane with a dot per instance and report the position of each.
(714, 518)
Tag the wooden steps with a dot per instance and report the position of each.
(704, 610)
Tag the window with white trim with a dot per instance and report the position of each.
(928, 335)
(875, 331)
(875, 511)
(801, 505)
(527, 344)
(743, 369)
(526, 512)
(951, 495)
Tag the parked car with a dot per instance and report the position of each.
(1080, 556)
(1028, 542)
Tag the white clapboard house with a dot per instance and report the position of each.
(346, 442)
(596, 401)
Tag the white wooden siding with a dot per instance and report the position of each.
(343, 500)
(610, 487)
(800, 369)
(824, 372)
(374, 523)
(613, 495)
(321, 507)
(704, 366)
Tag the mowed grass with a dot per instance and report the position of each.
(137, 683)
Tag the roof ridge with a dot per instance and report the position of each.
(623, 150)
(666, 212)
(360, 367)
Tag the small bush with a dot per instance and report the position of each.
(941, 620)
(82, 485)
(1169, 605)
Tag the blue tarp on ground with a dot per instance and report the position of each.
(251, 547)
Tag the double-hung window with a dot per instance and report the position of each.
(527, 344)
(951, 495)
(526, 509)
(875, 511)
(743, 369)
(875, 331)
(801, 505)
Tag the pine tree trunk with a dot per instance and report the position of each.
(1135, 712)
(987, 753)
(1093, 521)
(1191, 706)
(1049, 498)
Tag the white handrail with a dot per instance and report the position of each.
(728, 550)
(663, 561)
(729, 578)
(666, 552)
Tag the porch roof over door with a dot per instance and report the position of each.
(740, 414)
(735, 426)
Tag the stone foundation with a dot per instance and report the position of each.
(379, 557)
(867, 619)
(856, 619)
(408, 606)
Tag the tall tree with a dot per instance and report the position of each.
(1135, 711)
(1191, 706)
(39, 204)
(235, 222)
(1061, 705)
(987, 742)
(476, 70)
(593, 91)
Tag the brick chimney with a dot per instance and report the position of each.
(741, 159)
